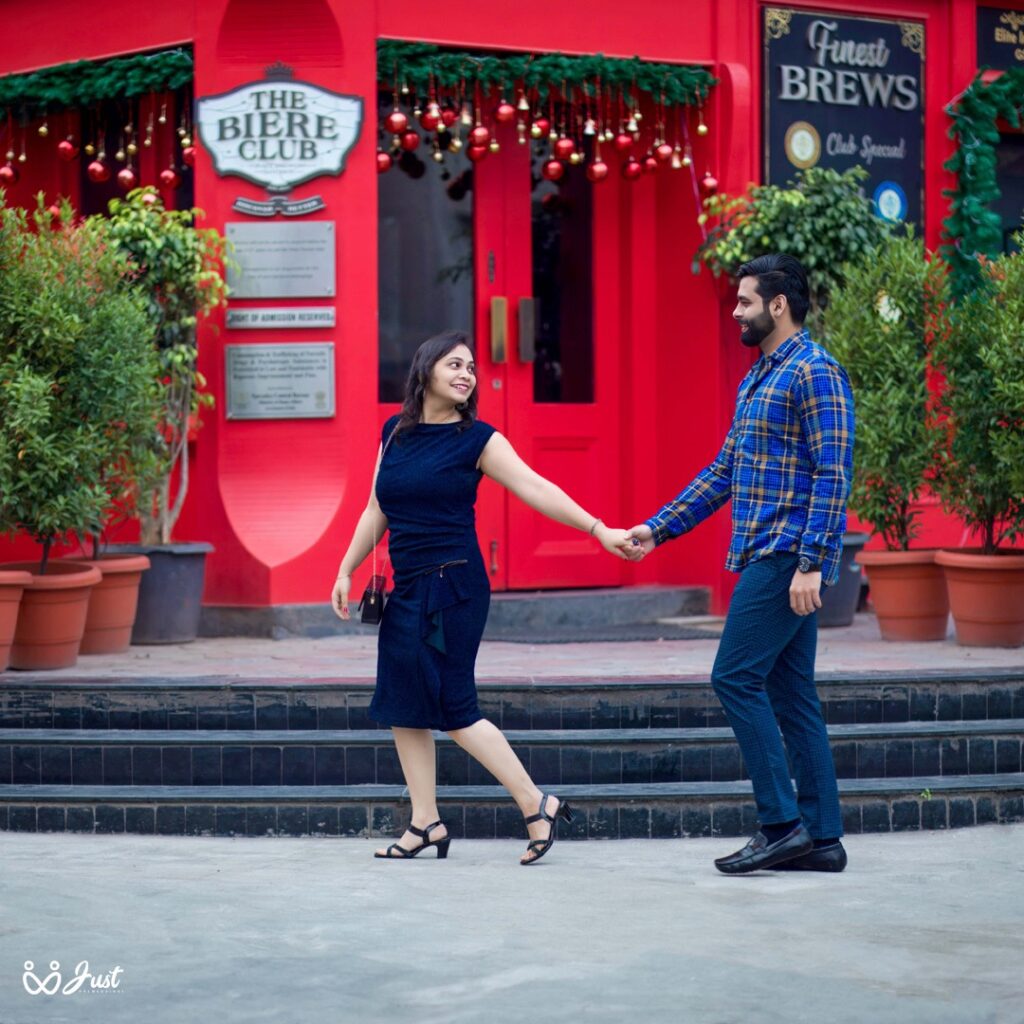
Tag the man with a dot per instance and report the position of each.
(786, 463)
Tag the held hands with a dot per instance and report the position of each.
(339, 596)
(805, 592)
(643, 537)
(619, 543)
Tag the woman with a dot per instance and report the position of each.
(424, 488)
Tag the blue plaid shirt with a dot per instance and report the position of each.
(787, 462)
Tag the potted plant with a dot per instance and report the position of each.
(77, 367)
(878, 324)
(823, 219)
(179, 268)
(12, 586)
(979, 471)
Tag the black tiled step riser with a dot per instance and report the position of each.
(594, 819)
(180, 764)
(330, 706)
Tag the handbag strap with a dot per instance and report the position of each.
(387, 444)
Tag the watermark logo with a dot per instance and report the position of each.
(54, 982)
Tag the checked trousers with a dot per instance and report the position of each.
(764, 678)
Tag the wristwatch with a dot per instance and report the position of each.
(806, 565)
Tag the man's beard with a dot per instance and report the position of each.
(757, 329)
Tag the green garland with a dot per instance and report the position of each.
(88, 82)
(973, 228)
(416, 64)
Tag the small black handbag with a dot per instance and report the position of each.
(372, 602)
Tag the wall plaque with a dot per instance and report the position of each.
(1000, 38)
(270, 317)
(281, 260)
(280, 382)
(840, 91)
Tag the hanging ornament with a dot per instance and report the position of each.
(576, 158)
(493, 146)
(597, 171)
(429, 120)
(553, 170)
(169, 178)
(186, 141)
(396, 122)
(89, 149)
(98, 171)
(67, 150)
(9, 175)
(523, 105)
(44, 130)
(505, 112)
(702, 128)
(188, 155)
(131, 149)
(709, 184)
(650, 163)
(632, 169)
(564, 148)
(632, 126)
(541, 126)
(384, 161)
(476, 153)
(126, 178)
(521, 132)
(162, 119)
(479, 136)
(120, 156)
(623, 142)
(663, 152)
(410, 141)
(438, 156)
(10, 155)
(448, 117)
(466, 117)
(590, 126)
(455, 145)
(677, 162)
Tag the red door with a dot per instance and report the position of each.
(545, 271)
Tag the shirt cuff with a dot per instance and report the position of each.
(663, 530)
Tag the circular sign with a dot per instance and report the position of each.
(803, 144)
(890, 201)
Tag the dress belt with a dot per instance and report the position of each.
(444, 565)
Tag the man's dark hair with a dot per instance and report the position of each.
(778, 273)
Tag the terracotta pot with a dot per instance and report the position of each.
(986, 595)
(11, 586)
(908, 591)
(108, 625)
(52, 617)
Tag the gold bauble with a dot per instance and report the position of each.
(702, 129)
(89, 148)
(132, 149)
(44, 130)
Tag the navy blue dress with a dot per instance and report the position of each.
(435, 616)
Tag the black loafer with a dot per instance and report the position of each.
(821, 858)
(759, 854)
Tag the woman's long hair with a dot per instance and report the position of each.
(418, 381)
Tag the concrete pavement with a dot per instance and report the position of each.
(921, 927)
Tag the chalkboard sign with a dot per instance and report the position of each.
(846, 91)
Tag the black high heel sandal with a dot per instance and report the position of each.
(424, 834)
(538, 847)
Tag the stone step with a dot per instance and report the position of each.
(553, 757)
(648, 810)
(218, 703)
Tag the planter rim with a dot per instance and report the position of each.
(199, 547)
(915, 556)
(62, 574)
(971, 558)
(111, 565)
(14, 578)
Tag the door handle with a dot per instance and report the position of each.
(527, 329)
(499, 329)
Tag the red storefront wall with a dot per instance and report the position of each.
(278, 499)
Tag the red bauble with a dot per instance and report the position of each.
(476, 153)
(543, 124)
(449, 117)
(505, 113)
(564, 148)
(429, 121)
(8, 175)
(98, 171)
(188, 156)
(709, 184)
(650, 164)
(632, 169)
(384, 161)
(553, 170)
(623, 142)
(664, 152)
(169, 178)
(479, 136)
(410, 140)
(597, 171)
(67, 150)
(396, 122)
(126, 178)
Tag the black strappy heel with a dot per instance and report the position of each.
(424, 834)
(538, 847)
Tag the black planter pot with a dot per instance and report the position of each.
(839, 603)
(171, 593)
